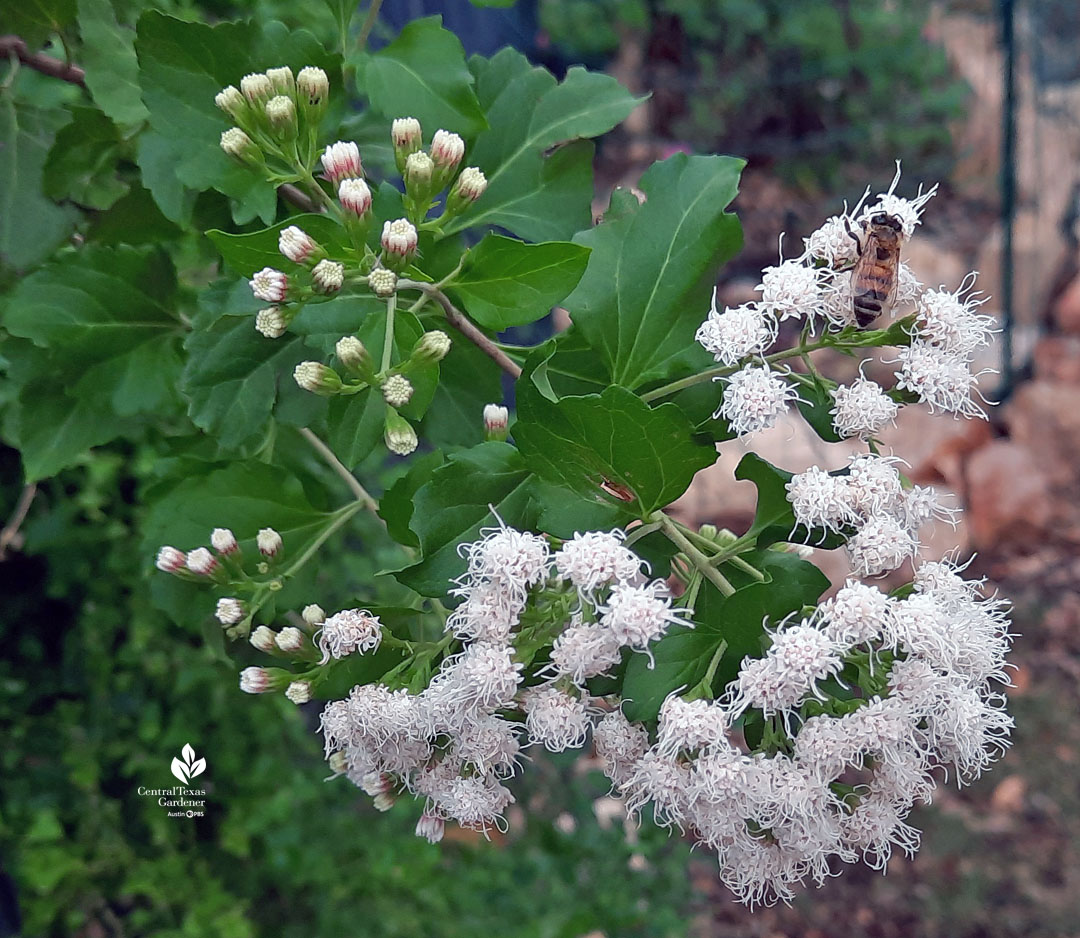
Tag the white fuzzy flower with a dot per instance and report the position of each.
(638, 615)
(857, 614)
(348, 631)
(663, 781)
(968, 731)
(875, 485)
(833, 243)
(790, 290)
(862, 408)
(922, 504)
(754, 399)
(949, 321)
(229, 611)
(908, 211)
(690, 724)
(736, 332)
(820, 500)
(270, 285)
(619, 744)
(516, 559)
(596, 559)
(941, 380)
(489, 613)
(555, 719)
(490, 743)
(881, 545)
(484, 677)
(584, 650)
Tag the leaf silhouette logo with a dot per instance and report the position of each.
(190, 766)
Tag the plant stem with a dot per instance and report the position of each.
(339, 518)
(642, 530)
(696, 557)
(745, 566)
(369, 25)
(714, 663)
(388, 341)
(338, 466)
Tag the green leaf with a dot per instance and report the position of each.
(31, 226)
(510, 283)
(815, 403)
(35, 20)
(423, 73)
(82, 164)
(135, 219)
(157, 155)
(457, 503)
(647, 285)
(682, 656)
(396, 505)
(247, 253)
(108, 316)
(182, 66)
(611, 438)
(535, 192)
(336, 678)
(112, 69)
(774, 521)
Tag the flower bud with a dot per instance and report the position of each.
(341, 160)
(399, 435)
(268, 541)
(430, 827)
(271, 322)
(257, 88)
(327, 277)
(312, 93)
(229, 611)
(382, 282)
(432, 347)
(261, 680)
(397, 390)
(270, 285)
(317, 378)
(355, 197)
(281, 114)
(470, 185)
(202, 562)
(447, 149)
(407, 138)
(224, 541)
(313, 614)
(264, 639)
(241, 147)
(352, 354)
(281, 80)
(338, 763)
(299, 692)
(419, 170)
(297, 245)
(290, 640)
(232, 102)
(170, 560)
(496, 419)
(398, 242)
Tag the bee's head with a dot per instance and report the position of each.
(885, 220)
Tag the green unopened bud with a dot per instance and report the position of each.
(383, 282)
(281, 115)
(399, 435)
(241, 147)
(708, 531)
(312, 93)
(431, 347)
(317, 378)
(407, 138)
(397, 390)
(281, 80)
(233, 103)
(418, 172)
(354, 356)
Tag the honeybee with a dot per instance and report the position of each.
(876, 274)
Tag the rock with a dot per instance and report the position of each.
(1067, 308)
(1044, 418)
(1057, 357)
(1009, 497)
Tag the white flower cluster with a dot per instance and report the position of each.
(816, 289)
(832, 779)
(456, 741)
(869, 498)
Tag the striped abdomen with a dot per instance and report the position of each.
(873, 282)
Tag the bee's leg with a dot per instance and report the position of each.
(854, 237)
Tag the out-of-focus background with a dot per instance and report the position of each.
(821, 96)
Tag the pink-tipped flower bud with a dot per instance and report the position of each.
(341, 160)
(264, 639)
(271, 322)
(496, 420)
(313, 614)
(270, 285)
(281, 80)
(257, 88)
(382, 281)
(317, 378)
(470, 185)
(407, 138)
(255, 680)
(396, 390)
(327, 276)
(447, 149)
(229, 611)
(430, 827)
(398, 434)
(224, 541)
(268, 541)
(355, 197)
(232, 102)
(297, 245)
(170, 560)
(241, 147)
(312, 92)
(290, 640)
(281, 115)
(398, 242)
(299, 692)
(202, 562)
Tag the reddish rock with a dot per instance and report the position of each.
(1009, 497)
(1057, 357)
(1067, 308)
(1044, 418)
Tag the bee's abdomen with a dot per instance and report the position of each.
(870, 292)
